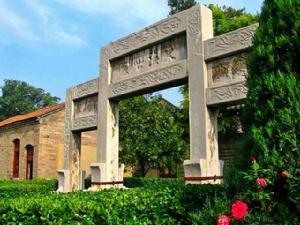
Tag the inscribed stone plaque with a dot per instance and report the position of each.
(149, 58)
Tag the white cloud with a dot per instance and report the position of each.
(124, 12)
(15, 24)
(42, 25)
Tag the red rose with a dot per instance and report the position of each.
(223, 220)
(261, 182)
(239, 210)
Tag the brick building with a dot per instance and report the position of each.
(31, 145)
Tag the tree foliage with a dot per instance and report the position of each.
(272, 109)
(150, 135)
(180, 5)
(18, 97)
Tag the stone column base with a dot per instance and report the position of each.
(63, 181)
(203, 171)
(100, 179)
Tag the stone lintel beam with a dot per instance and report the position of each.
(232, 92)
(85, 123)
(175, 72)
(85, 89)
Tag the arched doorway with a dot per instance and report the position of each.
(29, 162)
(16, 158)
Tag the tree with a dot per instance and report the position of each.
(150, 136)
(180, 5)
(18, 97)
(272, 112)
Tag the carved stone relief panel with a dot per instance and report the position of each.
(149, 58)
(229, 69)
(86, 106)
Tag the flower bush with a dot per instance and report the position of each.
(223, 220)
(261, 182)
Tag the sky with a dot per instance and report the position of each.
(55, 44)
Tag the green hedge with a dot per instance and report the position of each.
(134, 182)
(157, 201)
(136, 206)
(14, 189)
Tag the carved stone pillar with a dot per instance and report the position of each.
(106, 170)
(204, 159)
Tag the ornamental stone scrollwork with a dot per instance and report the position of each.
(229, 93)
(149, 58)
(87, 88)
(150, 79)
(150, 34)
(229, 43)
(228, 69)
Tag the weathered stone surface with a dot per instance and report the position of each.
(226, 70)
(84, 123)
(166, 74)
(86, 106)
(226, 93)
(149, 58)
(159, 31)
(230, 43)
(85, 89)
(63, 181)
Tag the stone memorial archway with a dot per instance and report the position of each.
(180, 49)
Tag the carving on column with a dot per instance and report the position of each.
(164, 28)
(149, 58)
(87, 88)
(149, 79)
(194, 23)
(237, 40)
(213, 135)
(68, 124)
(228, 69)
(75, 163)
(105, 56)
(227, 93)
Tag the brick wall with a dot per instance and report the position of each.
(26, 133)
(51, 137)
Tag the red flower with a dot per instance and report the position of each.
(223, 220)
(261, 182)
(253, 159)
(239, 210)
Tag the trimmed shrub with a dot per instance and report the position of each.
(133, 182)
(14, 189)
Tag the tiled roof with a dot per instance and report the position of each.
(35, 114)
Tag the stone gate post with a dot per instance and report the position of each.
(204, 160)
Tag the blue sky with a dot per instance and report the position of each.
(54, 44)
